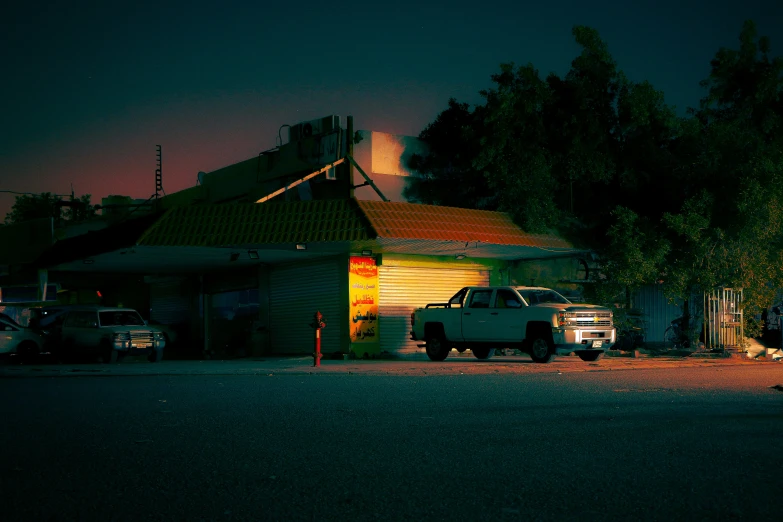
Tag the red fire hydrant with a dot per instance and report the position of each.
(318, 324)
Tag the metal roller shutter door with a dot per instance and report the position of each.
(402, 289)
(169, 303)
(295, 294)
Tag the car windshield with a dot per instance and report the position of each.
(541, 296)
(9, 322)
(8, 319)
(123, 318)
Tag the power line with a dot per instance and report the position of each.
(32, 193)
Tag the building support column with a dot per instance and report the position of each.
(43, 283)
(263, 333)
(207, 317)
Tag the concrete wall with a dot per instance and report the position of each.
(260, 176)
(234, 180)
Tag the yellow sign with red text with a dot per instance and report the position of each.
(363, 295)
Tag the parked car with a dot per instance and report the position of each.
(18, 341)
(110, 333)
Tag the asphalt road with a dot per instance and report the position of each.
(663, 444)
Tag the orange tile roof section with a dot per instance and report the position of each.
(429, 222)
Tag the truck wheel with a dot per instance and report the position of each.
(27, 351)
(436, 347)
(541, 351)
(64, 351)
(590, 356)
(483, 353)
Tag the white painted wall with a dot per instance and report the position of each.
(384, 157)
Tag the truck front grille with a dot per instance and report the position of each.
(141, 337)
(591, 319)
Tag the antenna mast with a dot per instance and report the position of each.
(159, 175)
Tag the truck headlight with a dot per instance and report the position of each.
(122, 340)
(564, 318)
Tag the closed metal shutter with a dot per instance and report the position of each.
(403, 289)
(169, 302)
(295, 294)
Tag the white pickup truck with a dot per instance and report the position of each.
(536, 320)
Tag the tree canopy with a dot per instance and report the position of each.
(694, 201)
(47, 205)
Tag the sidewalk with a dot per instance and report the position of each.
(463, 364)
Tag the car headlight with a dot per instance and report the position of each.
(122, 336)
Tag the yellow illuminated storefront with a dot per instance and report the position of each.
(363, 314)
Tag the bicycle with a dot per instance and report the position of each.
(631, 332)
(676, 334)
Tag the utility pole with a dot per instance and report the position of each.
(349, 131)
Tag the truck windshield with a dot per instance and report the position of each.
(536, 297)
(124, 318)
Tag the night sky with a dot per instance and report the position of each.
(89, 88)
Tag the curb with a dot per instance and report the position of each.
(303, 366)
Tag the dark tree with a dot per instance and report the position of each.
(447, 175)
(48, 205)
(696, 202)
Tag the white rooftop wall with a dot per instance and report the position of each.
(384, 157)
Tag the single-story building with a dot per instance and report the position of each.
(365, 265)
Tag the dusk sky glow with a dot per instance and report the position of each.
(91, 87)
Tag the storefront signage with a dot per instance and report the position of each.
(363, 296)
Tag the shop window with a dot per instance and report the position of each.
(233, 317)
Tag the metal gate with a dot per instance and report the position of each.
(169, 301)
(295, 294)
(658, 311)
(403, 289)
(723, 315)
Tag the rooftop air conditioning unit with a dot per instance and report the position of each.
(308, 129)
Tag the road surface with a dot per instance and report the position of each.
(693, 443)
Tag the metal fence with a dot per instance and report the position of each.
(658, 311)
(723, 317)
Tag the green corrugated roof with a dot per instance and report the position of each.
(253, 224)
